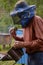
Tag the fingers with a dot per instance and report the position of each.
(12, 32)
(12, 28)
(16, 45)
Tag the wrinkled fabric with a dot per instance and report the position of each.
(33, 36)
(33, 32)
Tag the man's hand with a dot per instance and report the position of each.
(13, 32)
(14, 35)
(18, 44)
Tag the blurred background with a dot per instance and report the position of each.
(6, 6)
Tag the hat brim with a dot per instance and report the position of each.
(14, 12)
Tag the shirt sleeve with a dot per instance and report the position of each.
(38, 27)
(35, 45)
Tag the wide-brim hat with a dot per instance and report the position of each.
(21, 7)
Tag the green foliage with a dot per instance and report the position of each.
(6, 6)
(39, 6)
(5, 22)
